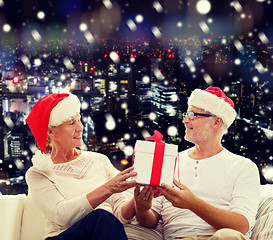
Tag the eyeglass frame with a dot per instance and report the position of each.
(186, 114)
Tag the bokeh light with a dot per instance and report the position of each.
(203, 6)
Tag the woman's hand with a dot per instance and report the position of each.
(143, 198)
(143, 203)
(119, 184)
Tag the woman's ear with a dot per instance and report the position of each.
(50, 132)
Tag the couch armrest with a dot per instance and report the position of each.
(263, 228)
(11, 210)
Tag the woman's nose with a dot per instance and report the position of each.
(79, 127)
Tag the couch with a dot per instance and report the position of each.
(22, 220)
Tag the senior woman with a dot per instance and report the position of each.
(80, 193)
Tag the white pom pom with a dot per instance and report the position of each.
(42, 162)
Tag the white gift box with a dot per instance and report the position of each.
(146, 168)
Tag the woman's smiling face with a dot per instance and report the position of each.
(69, 133)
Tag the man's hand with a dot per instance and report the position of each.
(216, 217)
(181, 198)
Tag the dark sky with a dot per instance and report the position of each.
(104, 20)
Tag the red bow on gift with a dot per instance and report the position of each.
(157, 137)
(158, 158)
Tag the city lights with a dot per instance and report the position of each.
(124, 161)
(133, 68)
(16, 80)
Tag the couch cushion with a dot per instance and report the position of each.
(263, 228)
(33, 224)
(138, 232)
(11, 210)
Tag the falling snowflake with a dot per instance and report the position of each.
(19, 164)
(145, 79)
(208, 79)
(89, 37)
(62, 78)
(114, 56)
(26, 61)
(41, 15)
(260, 67)
(239, 46)
(68, 64)
(204, 27)
(108, 4)
(190, 64)
(140, 124)
(263, 38)
(9, 122)
(37, 62)
(139, 18)
(131, 25)
(156, 32)
(157, 6)
(158, 74)
(83, 27)
(128, 150)
(203, 7)
(179, 24)
(174, 97)
(152, 116)
(172, 131)
(84, 105)
(237, 6)
(268, 173)
(237, 61)
(127, 136)
(36, 35)
(6, 27)
(110, 122)
(255, 79)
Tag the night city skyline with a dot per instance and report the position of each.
(135, 77)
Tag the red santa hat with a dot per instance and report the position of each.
(51, 110)
(214, 100)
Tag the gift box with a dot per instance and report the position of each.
(154, 161)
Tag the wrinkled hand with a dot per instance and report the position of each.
(181, 198)
(119, 184)
(143, 198)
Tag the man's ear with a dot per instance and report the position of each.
(218, 122)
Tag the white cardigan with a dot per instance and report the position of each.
(60, 191)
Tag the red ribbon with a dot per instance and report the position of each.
(158, 158)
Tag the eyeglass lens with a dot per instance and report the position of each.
(189, 114)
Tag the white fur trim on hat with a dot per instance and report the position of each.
(213, 104)
(64, 110)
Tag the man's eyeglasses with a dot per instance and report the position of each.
(191, 115)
